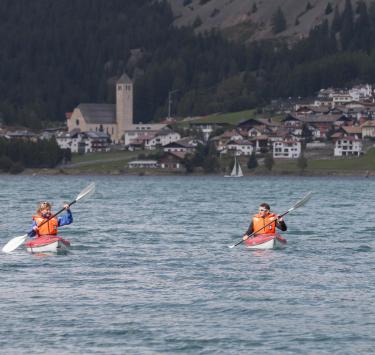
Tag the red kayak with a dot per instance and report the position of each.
(266, 241)
(47, 243)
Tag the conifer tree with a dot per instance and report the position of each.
(252, 163)
(362, 34)
(269, 162)
(347, 25)
(328, 9)
(278, 21)
(302, 163)
(336, 22)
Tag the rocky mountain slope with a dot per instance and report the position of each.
(251, 19)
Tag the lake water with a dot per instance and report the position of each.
(150, 271)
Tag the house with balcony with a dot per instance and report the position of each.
(348, 146)
(178, 146)
(142, 132)
(172, 161)
(238, 147)
(287, 149)
(368, 129)
(83, 142)
(143, 164)
(161, 139)
(232, 135)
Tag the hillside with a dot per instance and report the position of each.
(57, 54)
(251, 19)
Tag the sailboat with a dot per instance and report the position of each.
(236, 171)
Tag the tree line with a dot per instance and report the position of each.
(15, 155)
(57, 54)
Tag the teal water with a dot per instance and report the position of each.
(150, 271)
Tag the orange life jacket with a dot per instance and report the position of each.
(49, 227)
(259, 224)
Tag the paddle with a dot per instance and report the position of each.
(298, 204)
(14, 243)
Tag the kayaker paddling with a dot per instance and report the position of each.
(265, 222)
(269, 239)
(43, 224)
(46, 241)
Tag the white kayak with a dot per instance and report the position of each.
(47, 244)
(266, 241)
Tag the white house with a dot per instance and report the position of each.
(290, 149)
(368, 129)
(83, 142)
(143, 164)
(242, 147)
(162, 138)
(348, 146)
(341, 98)
(361, 92)
(179, 146)
(142, 131)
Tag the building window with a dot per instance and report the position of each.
(119, 87)
(77, 122)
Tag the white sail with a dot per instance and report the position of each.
(235, 168)
(236, 171)
(239, 170)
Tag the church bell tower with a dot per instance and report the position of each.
(124, 105)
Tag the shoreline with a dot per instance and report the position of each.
(147, 173)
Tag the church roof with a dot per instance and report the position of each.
(98, 113)
(124, 79)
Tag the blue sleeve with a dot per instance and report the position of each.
(65, 219)
(32, 232)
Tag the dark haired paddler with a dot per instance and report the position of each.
(265, 222)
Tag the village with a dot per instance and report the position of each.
(335, 124)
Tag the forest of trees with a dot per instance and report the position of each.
(15, 155)
(56, 54)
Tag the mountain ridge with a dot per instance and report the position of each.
(254, 17)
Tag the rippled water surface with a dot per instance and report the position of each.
(150, 271)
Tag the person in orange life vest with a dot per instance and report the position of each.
(262, 219)
(49, 228)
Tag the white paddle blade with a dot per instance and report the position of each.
(14, 243)
(303, 201)
(89, 190)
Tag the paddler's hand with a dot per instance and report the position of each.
(66, 206)
(245, 237)
(279, 218)
(35, 229)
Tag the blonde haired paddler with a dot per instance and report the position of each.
(265, 222)
(43, 224)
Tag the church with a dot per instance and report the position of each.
(113, 119)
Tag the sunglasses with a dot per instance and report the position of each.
(262, 210)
